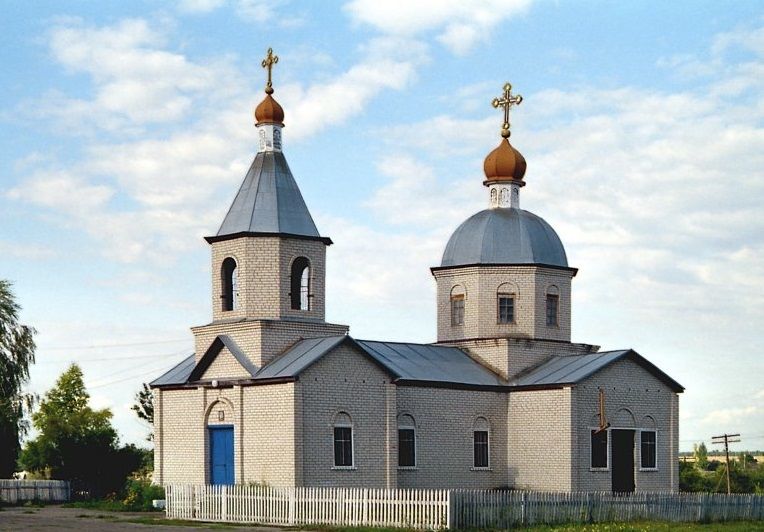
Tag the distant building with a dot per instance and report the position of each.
(277, 395)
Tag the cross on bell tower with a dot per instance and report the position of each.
(268, 62)
(507, 101)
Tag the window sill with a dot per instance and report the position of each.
(599, 469)
(648, 469)
(344, 468)
(408, 468)
(481, 469)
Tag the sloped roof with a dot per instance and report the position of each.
(406, 362)
(430, 363)
(299, 357)
(268, 202)
(177, 375)
(571, 369)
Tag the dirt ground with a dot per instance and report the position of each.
(55, 518)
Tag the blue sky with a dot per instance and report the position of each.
(127, 129)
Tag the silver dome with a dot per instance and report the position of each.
(504, 236)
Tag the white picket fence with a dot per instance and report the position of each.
(16, 491)
(434, 509)
(426, 509)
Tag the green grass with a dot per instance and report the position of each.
(105, 505)
(653, 526)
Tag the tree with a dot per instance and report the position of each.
(701, 455)
(144, 407)
(77, 443)
(16, 354)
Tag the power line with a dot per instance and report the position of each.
(109, 346)
(133, 376)
(109, 359)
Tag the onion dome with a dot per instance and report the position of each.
(504, 163)
(269, 111)
(504, 236)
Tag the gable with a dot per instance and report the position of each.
(225, 366)
(233, 364)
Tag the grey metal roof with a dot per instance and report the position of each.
(298, 357)
(431, 363)
(404, 361)
(504, 236)
(268, 201)
(177, 375)
(571, 369)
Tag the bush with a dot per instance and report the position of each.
(139, 495)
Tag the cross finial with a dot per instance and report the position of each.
(507, 101)
(268, 63)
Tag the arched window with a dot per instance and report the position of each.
(300, 284)
(406, 441)
(552, 306)
(343, 440)
(457, 305)
(230, 284)
(481, 444)
(506, 297)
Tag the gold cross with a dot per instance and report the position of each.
(268, 63)
(506, 102)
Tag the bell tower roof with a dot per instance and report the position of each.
(269, 202)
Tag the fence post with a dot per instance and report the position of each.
(522, 508)
(589, 508)
(292, 502)
(448, 509)
(366, 507)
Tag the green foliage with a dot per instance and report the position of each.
(701, 455)
(742, 480)
(16, 354)
(77, 443)
(137, 495)
(144, 407)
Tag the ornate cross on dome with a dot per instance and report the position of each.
(506, 102)
(268, 63)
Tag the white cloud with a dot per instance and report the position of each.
(459, 24)
(199, 6)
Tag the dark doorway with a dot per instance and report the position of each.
(622, 454)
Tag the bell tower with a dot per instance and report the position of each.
(268, 258)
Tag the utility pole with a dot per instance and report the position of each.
(726, 439)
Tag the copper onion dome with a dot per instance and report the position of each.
(504, 163)
(269, 111)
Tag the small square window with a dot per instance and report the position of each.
(457, 310)
(506, 303)
(552, 304)
(221, 415)
(599, 449)
(648, 449)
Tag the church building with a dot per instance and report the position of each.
(275, 394)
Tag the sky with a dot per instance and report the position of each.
(127, 129)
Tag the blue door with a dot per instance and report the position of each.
(221, 454)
